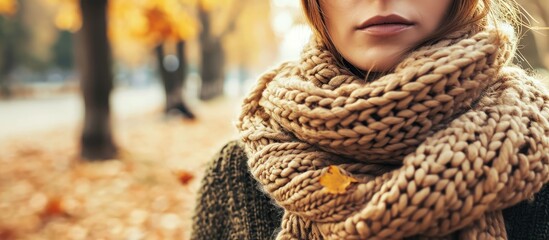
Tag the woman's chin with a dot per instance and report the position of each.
(376, 61)
(377, 67)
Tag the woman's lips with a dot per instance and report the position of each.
(386, 29)
(385, 25)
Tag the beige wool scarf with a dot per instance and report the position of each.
(436, 148)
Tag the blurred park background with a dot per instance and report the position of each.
(111, 109)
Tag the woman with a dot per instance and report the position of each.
(401, 119)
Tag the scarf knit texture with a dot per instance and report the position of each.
(436, 148)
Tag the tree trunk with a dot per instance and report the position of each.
(173, 80)
(7, 63)
(94, 61)
(213, 60)
(212, 70)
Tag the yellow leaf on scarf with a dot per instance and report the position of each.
(334, 181)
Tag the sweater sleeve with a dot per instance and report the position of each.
(529, 220)
(230, 205)
(210, 220)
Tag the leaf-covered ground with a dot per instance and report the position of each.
(148, 192)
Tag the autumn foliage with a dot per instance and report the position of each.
(8, 7)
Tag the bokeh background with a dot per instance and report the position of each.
(111, 109)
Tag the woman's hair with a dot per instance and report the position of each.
(461, 13)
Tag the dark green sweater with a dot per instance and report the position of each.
(231, 206)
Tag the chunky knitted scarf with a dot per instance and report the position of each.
(437, 148)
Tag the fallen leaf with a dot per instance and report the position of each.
(53, 208)
(184, 177)
(7, 234)
(334, 181)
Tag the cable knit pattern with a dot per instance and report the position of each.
(443, 143)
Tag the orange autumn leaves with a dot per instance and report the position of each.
(8, 7)
(67, 15)
(167, 20)
(135, 26)
(148, 20)
(334, 181)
